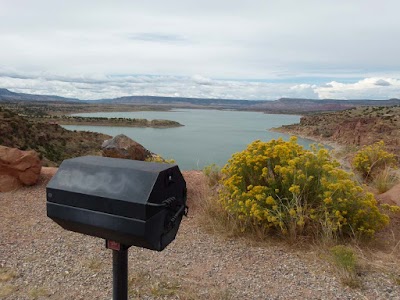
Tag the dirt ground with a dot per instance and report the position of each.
(40, 260)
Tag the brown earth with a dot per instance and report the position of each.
(38, 259)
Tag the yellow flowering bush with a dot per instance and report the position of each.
(158, 159)
(280, 185)
(372, 159)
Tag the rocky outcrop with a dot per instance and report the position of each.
(357, 127)
(53, 142)
(18, 168)
(122, 146)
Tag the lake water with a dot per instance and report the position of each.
(209, 136)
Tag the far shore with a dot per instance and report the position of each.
(114, 122)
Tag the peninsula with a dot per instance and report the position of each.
(101, 121)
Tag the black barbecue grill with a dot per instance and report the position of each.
(126, 202)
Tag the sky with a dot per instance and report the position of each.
(256, 50)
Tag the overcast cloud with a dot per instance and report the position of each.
(214, 49)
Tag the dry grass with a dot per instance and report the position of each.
(213, 174)
(214, 218)
(383, 253)
(385, 180)
(197, 188)
(94, 264)
(7, 274)
(204, 201)
(7, 290)
(38, 292)
(144, 284)
(378, 255)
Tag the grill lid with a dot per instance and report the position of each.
(113, 178)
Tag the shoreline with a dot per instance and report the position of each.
(334, 145)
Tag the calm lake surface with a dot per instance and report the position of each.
(209, 136)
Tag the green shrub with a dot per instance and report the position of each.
(344, 257)
(213, 174)
(280, 186)
(345, 261)
(371, 160)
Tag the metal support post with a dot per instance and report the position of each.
(120, 274)
(120, 270)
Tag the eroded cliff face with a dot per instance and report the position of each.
(51, 141)
(358, 127)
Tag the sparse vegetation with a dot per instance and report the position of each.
(143, 284)
(159, 159)
(39, 292)
(213, 174)
(7, 274)
(7, 290)
(371, 160)
(94, 264)
(345, 261)
(384, 180)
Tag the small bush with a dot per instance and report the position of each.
(213, 174)
(345, 261)
(281, 186)
(159, 159)
(371, 160)
(391, 208)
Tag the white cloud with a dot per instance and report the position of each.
(196, 86)
(368, 88)
(201, 80)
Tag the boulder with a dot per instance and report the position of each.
(18, 168)
(391, 197)
(122, 146)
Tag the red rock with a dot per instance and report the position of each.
(18, 168)
(122, 146)
(8, 183)
(391, 197)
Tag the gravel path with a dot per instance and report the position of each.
(38, 259)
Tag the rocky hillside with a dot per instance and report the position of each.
(51, 141)
(358, 126)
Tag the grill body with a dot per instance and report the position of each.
(131, 202)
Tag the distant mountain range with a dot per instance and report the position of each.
(284, 105)
(6, 95)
